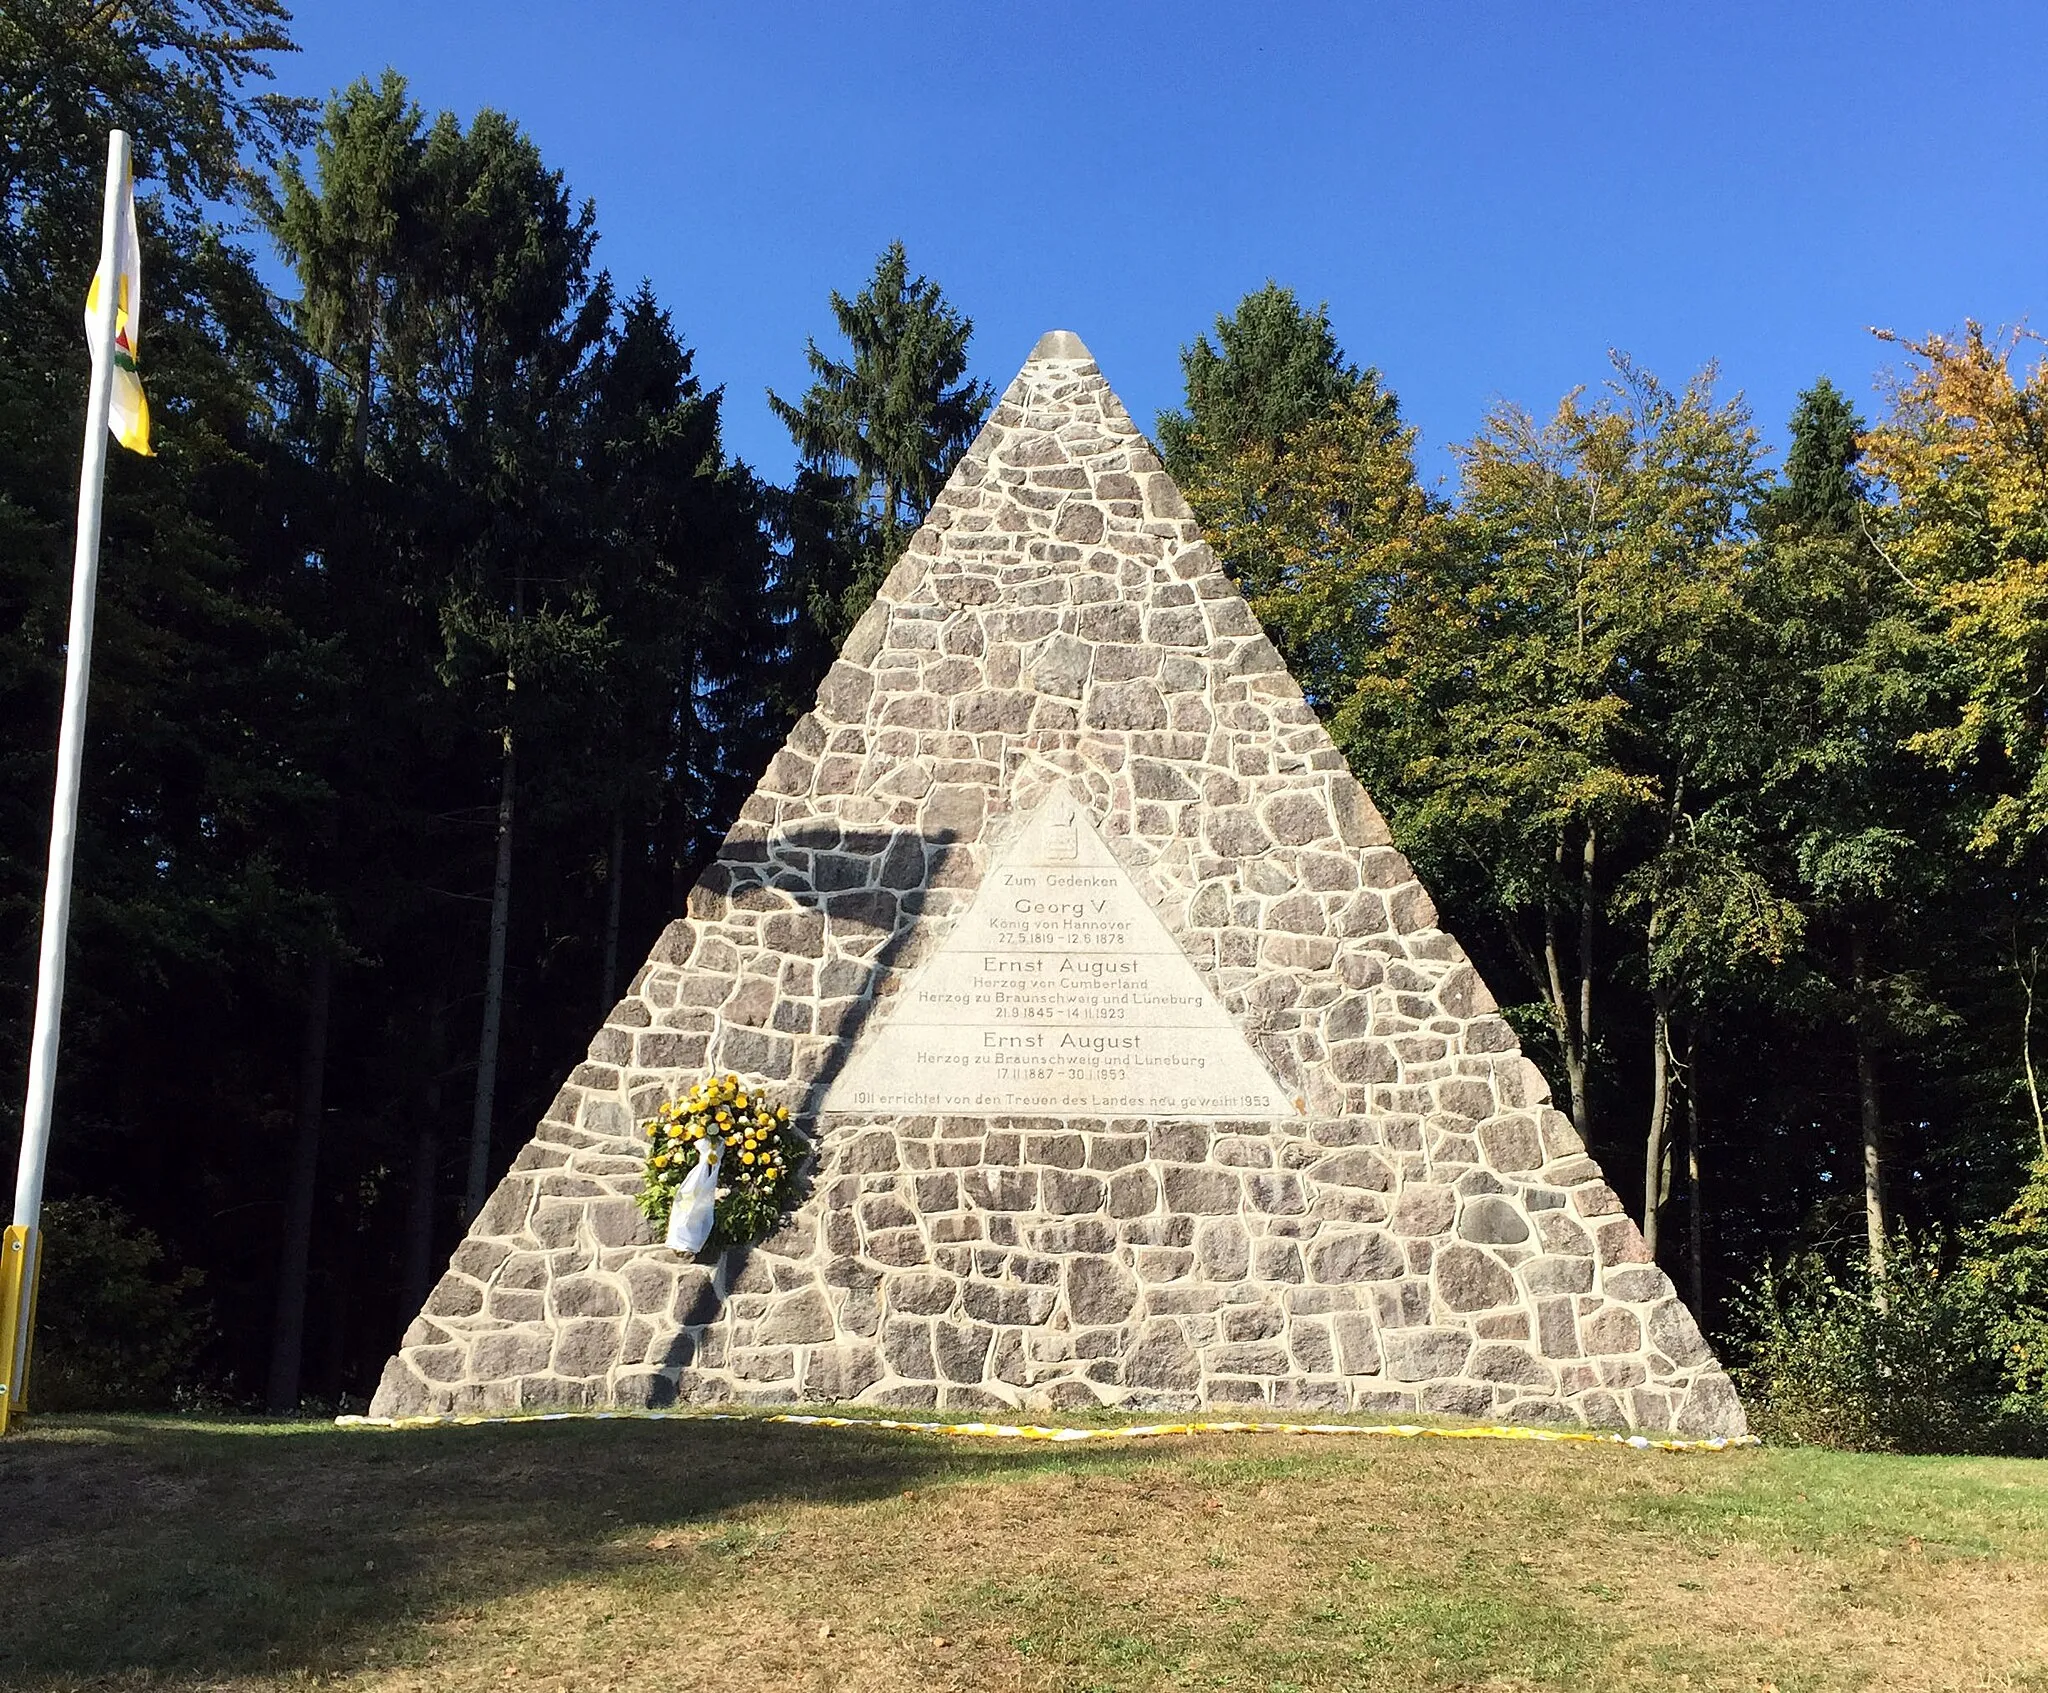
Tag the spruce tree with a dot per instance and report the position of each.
(878, 434)
(1822, 493)
(447, 289)
(1274, 367)
(1303, 475)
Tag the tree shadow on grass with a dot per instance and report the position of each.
(185, 1552)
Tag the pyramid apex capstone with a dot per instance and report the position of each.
(1061, 344)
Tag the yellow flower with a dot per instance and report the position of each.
(746, 1158)
(659, 1159)
(782, 1113)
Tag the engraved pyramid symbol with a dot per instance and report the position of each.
(1059, 990)
(1139, 1069)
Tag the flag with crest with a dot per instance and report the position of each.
(128, 417)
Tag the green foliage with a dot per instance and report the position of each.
(117, 1327)
(1853, 810)
(2009, 1264)
(1303, 475)
(1822, 493)
(1322, 533)
(1654, 727)
(1910, 1363)
(447, 284)
(1595, 551)
(191, 895)
(1274, 368)
(690, 698)
(175, 74)
(878, 433)
(1965, 457)
(1545, 707)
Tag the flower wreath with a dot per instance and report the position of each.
(757, 1151)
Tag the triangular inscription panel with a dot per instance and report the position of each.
(1059, 990)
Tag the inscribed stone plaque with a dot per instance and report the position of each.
(1059, 990)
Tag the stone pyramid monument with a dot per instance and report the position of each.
(1139, 1071)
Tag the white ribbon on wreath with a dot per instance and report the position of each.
(696, 1202)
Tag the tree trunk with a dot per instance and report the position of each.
(1580, 1089)
(681, 853)
(342, 1272)
(1695, 1253)
(288, 1326)
(1574, 1023)
(1656, 1151)
(615, 874)
(494, 999)
(2027, 973)
(426, 1172)
(1867, 1100)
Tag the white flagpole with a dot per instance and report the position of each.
(23, 1241)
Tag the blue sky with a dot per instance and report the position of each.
(1489, 196)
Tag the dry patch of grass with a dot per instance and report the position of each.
(721, 1556)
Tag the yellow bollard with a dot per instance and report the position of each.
(21, 1251)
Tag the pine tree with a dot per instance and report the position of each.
(1823, 492)
(1274, 367)
(878, 434)
(510, 316)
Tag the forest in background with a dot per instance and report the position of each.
(442, 637)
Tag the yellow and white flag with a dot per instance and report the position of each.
(128, 418)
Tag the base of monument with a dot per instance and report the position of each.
(1050, 1265)
(688, 1391)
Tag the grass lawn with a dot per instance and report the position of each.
(142, 1552)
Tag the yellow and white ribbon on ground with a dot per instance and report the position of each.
(1035, 1431)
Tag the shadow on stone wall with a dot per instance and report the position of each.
(878, 880)
(873, 879)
